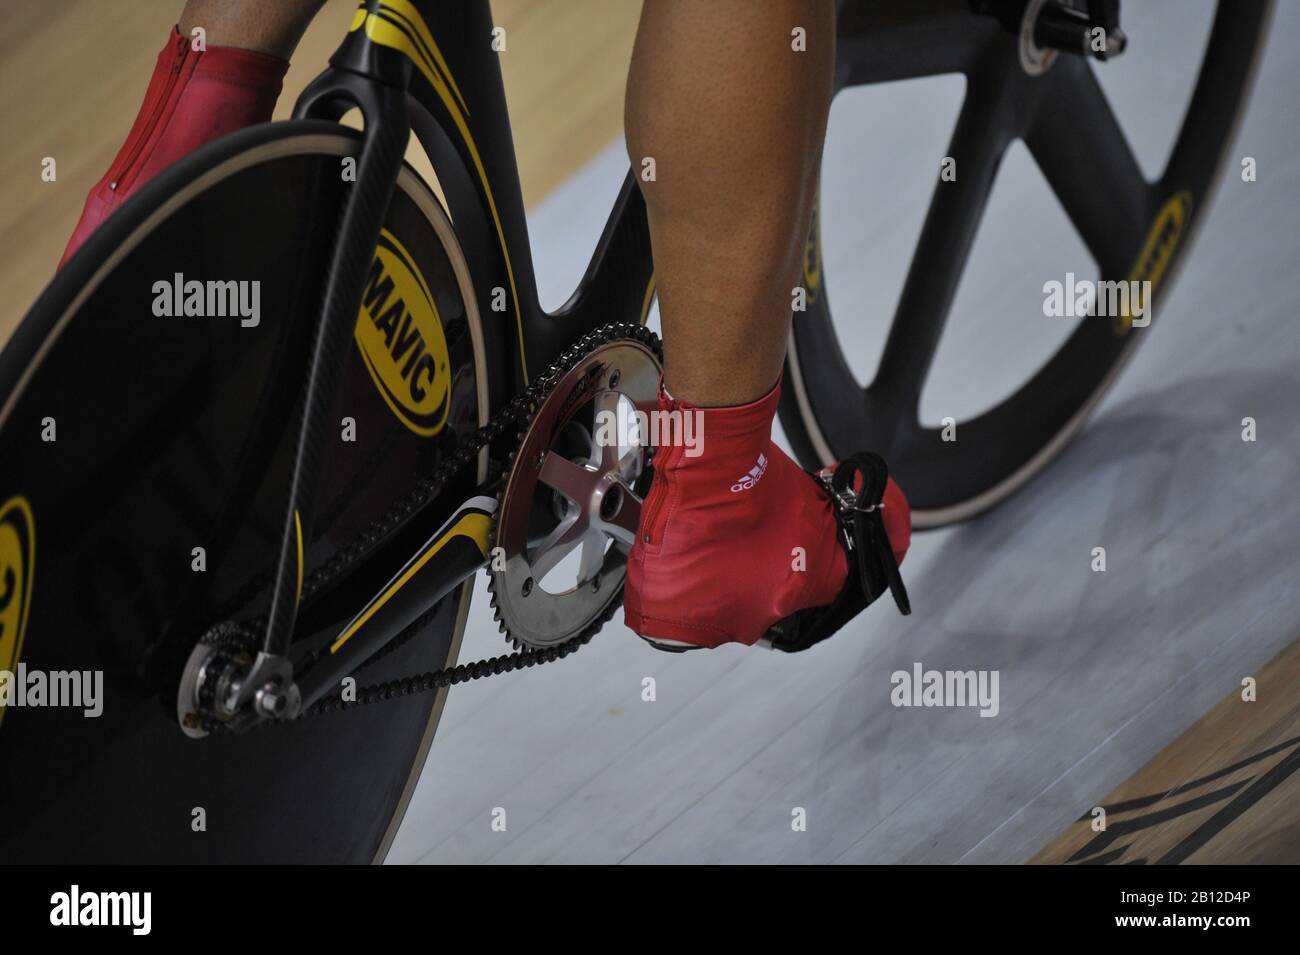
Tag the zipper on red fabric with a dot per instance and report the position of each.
(654, 502)
(117, 182)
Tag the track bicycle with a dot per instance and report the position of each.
(263, 533)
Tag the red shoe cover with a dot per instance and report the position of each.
(192, 99)
(738, 537)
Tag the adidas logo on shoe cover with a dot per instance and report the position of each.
(755, 473)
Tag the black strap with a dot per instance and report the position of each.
(863, 517)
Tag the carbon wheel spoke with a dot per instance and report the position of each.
(984, 129)
(1086, 159)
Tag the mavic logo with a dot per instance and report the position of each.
(1158, 251)
(17, 555)
(812, 255)
(402, 342)
(755, 473)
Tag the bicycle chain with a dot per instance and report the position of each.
(517, 411)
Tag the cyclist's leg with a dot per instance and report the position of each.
(734, 119)
(266, 26)
(732, 108)
(198, 95)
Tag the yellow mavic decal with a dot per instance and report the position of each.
(477, 527)
(17, 570)
(1158, 251)
(401, 340)
(399, 26)
(812, 254)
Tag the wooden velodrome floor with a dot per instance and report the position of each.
(1120, 690)
(74, 73)
(1227, 790)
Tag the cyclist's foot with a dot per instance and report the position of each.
(193, 98)
(737, 543)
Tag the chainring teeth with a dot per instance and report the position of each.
(607, 592)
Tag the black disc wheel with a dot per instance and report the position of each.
(1133, 229)
(147, 425)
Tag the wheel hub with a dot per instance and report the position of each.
(1034, 59)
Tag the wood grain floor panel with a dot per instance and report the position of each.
(1227, 790)
(74, 73)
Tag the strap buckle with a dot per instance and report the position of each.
(846, 500)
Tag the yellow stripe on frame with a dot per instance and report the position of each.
(404, 8)
(477, 527)
(297, 524)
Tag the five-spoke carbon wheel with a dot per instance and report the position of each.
(1134, 229)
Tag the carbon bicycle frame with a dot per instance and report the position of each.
(430, 68)
(441, 54)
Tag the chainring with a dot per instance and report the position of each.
(571, 500)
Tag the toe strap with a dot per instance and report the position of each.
(860, 506)
(873, 569)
